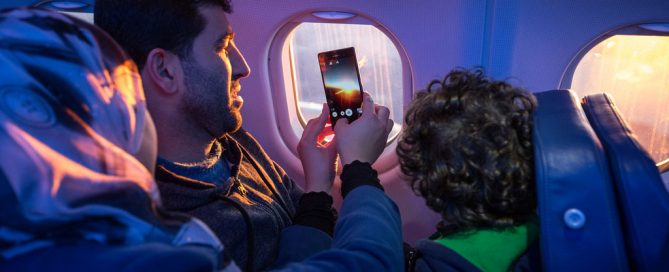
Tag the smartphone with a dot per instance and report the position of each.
(341, 81)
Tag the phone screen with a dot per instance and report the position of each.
(341, 80)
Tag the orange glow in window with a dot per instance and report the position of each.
(634, 69)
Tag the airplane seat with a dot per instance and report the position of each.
(642, 197)
(579, 224)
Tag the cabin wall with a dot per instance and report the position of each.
(534, 41)
(529, 42)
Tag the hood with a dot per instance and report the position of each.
(72, 110)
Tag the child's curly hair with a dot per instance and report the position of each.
(467, 147)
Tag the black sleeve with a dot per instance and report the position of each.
(315, 210)
(357, 174)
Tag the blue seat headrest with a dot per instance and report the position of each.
(580, 227)
(642, 197)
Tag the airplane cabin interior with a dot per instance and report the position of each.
(599, 71)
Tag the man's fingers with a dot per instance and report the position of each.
(382, 112)
(340, 124)
(310, 133)
(367, 105)
(325, 114)
(341, 121)
(315, 126)
(389, 126)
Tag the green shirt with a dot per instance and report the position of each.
(493, 250)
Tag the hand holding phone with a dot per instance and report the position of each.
(364, 139)
(318, 160)
(341, 80)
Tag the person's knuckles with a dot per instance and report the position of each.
(312, 123)
(304, 143)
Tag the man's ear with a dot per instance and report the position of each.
(164, 69)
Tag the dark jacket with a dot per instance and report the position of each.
(249, 211)
(367, 237)
(432, 256)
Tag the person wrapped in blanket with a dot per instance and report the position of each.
(75, 188)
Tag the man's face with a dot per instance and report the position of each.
(212, 73)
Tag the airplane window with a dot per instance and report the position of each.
(634, 69)
(378, 61)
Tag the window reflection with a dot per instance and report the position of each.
(378, 60)
(634, 69)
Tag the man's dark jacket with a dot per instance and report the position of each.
(249, 211)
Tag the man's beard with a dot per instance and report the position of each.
(206, 101)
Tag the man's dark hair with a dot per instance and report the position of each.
(467, 148)
(139, 26)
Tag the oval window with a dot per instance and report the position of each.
(380, 64)
(632, 65)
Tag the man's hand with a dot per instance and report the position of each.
(318, 161)
(365, 138)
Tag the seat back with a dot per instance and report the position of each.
(642, 197)
(580, 227)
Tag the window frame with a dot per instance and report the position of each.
(282, 83)
(629, 29)
(639, 29)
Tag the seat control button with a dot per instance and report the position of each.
(574, 218)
